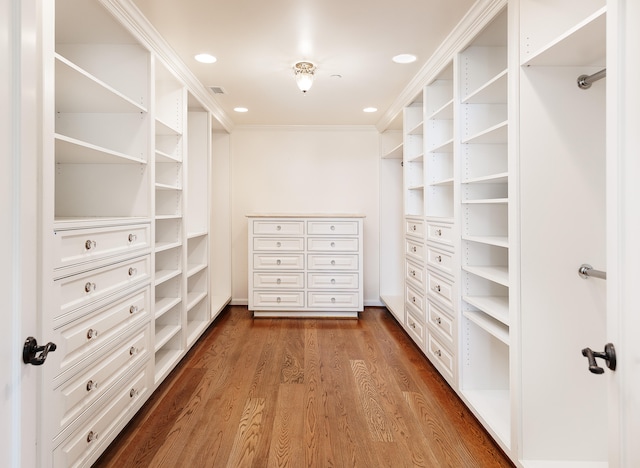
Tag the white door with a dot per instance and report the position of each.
(18, 231)
(623, 209)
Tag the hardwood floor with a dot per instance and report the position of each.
(304, 393)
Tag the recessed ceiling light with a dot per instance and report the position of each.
(205, 58)
(240, 109)
(370, 109)
(404, 58)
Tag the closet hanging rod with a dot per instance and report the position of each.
(584, 81)
(586, 271)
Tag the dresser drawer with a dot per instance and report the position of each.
(415, 274)
(83, 245)
(441, 289)
(440, 260)
(78, 340)
(440, 356)
(294, 244)
(440, 232)
(333, 300)
(278, 299)
(75, 396)
(333, 262)
(78, 290)
(414, 250)
(414, 327)
(414, 227)
(282, 228)
(340, 228)
(319, 244)
(278, 280)
(441, 321)
(82, 446)
(333, 280)
(278, 262)
(414, 298)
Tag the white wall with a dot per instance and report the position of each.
(332, 169)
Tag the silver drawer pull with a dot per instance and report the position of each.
(133, 351)
(413, 272)
(91, 385)
(438, 232)
(278, 300)
(415, 228)
(414, 249)
(132, 237)
(89, 244)
(133, 309)
(439, 258)
(133, 393)
(278, 244)
(333, 300)
(333, 281)
(278, 228)
(413, 299)
(91, 333)
(278, 281)
(91, 436)
(436, 288)
(438, 320)
(278, 262)
(333, 244)
(333, 262)
(413, 325)
(333, 228)
(88, 287)
(133, 271)
(438, 353)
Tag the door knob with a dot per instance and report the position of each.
(609, 355)
(31, 349)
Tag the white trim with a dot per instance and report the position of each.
(306, 128)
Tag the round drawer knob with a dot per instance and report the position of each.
(89, 286)
(278, 228)
(89, 244)
(278, 300)
(133, 309)
(132, 238)
(436, 288)
(91, 385)
(415, 228)
(438, 232)
(278, 262)
(438, 353)
(413, 272)
(414, 249)
(91, 436)
(413, 299)
(133, 271)
(439, 321)
(413, 325)
(333, 300)
(91, 333)
(333, 262)
(333, 281)
(278, 281)
(278, 244)
(333, 244)
(439, 258)
(133, 393)
(133, 351)
(333, 228)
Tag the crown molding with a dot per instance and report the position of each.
(306, 128)
(479, 15)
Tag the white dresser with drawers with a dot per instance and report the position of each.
(305, 265)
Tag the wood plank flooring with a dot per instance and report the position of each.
(304, 393)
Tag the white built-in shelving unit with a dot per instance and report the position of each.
(126, 223)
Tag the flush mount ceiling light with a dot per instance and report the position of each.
(304, 75)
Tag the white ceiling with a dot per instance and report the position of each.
(257, 43)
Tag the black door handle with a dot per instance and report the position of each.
(609, 355)
(31, 349)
